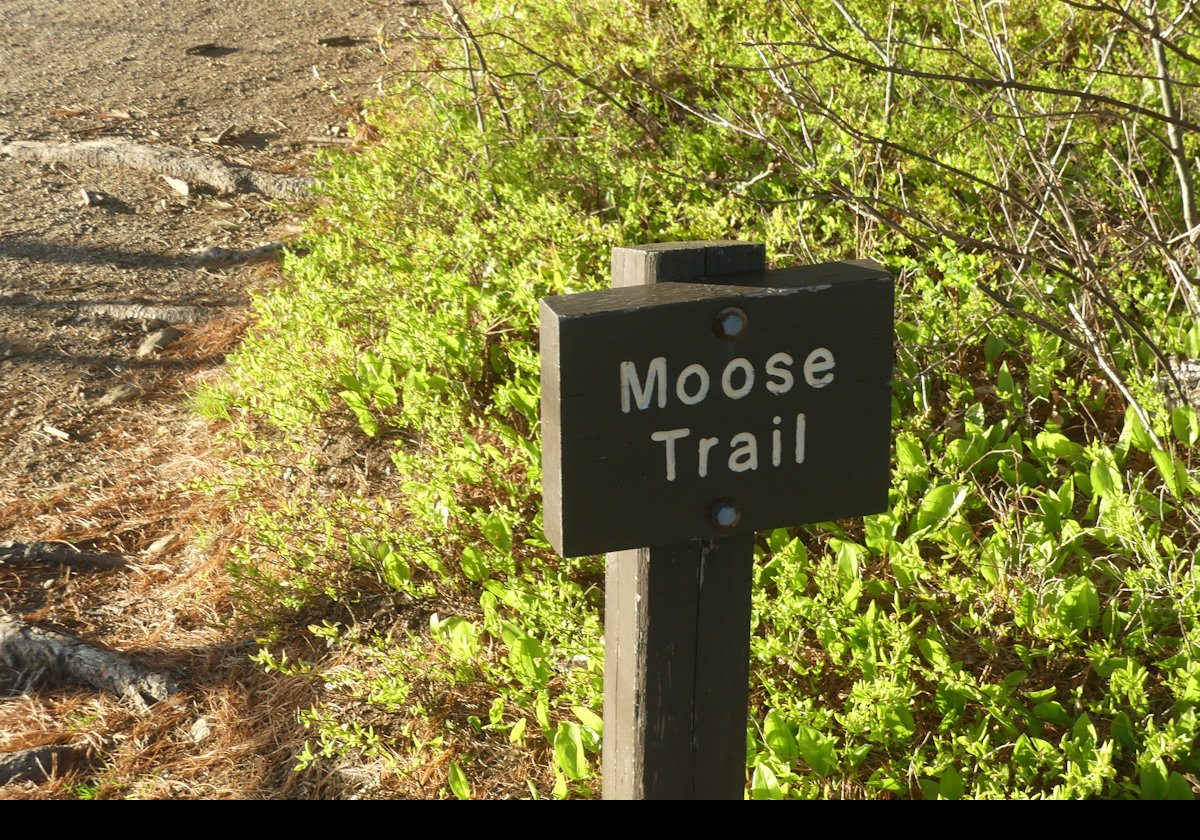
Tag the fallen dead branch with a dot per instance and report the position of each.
(226, 256)
(41, 763)
(133, 310)
(126, 310)
(34, 651)
(57, 552)
(163, 160)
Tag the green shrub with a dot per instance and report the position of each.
(1020, 623)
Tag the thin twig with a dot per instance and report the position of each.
(1102, 360)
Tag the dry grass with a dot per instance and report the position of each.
(232, 731)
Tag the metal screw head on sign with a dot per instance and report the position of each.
(730, 323)
(724, 513)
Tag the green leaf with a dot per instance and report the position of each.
(496, 712)
(910, 457)
(900, 723)
(525, 403)
(848, 556)
(1179, 789)
(396, 572)
(589, 719)
(1053, 712)
(1153, 781)
(568, 751)
(1173, 471)
(1057, 445)
(498, 532)
(1080, 605)
(1006, 388)
(525, 655)
(880, 532)
(939, 505)
(950, 786)
(1084, 731)
(490, 604)
(1105, 477)
(935, 652)
(1134, 433)
(458, 782)
(517, 733)
(778, 736)
(362, 413)
(993, 347)
(1191, 341)
(1123, 732)
(473, 564)
(887, 780)
(764, 785)
(1186, 425)
(817, 750)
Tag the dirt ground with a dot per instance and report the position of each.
(98, 449)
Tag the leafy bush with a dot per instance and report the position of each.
(1021, 622)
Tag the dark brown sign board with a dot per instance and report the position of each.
(685, 411)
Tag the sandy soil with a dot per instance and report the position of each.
(97, 448)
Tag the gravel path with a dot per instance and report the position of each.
(96, 448)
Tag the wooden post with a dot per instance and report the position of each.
(702, 399)
(677, 617)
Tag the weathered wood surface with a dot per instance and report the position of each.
(163, 160)
(677, 619)
(120, 310)
(58, 553)
(648, 402)
(35, 652)
(41, 763)
(677, 670)
(136, 310)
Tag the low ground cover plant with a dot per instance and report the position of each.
(1020, 623)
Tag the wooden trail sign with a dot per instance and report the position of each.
(698, 401)
(682, 411)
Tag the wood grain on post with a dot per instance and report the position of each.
(677, 617)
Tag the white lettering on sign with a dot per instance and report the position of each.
(693, 383)
(631, 386)
(819, 361)
(775, 441)
(681, 391)
(742, 390)
(743, 448)
(745, 456)
(800, 438)
(777, 367)
(705, 445)
(669, 438)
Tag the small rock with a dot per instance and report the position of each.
(201, 729)
(178, 185)
(158, 340)
(161, 544)
(120, 393)
(56, 432)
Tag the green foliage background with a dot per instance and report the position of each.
(1021, 623)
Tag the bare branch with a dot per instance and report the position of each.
(1174, 136)
(981, 82)
(1102, 360)
(1133, 22)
